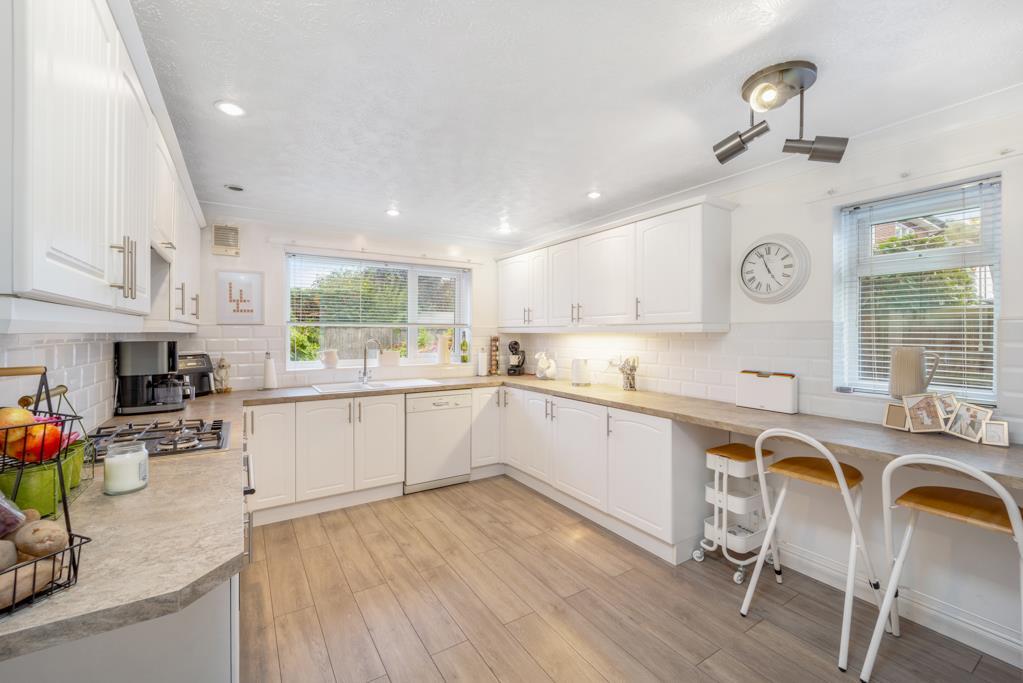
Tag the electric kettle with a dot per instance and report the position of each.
(908, 373)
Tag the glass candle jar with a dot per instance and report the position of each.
(125, 468)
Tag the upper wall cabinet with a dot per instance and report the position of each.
(667, 273)
(91, 186)
(523, 302)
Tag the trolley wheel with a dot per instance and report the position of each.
(739, 576)
(698, 554)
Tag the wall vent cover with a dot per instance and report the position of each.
(225, 240)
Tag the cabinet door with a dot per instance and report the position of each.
(580, 451)
(65, 85)
(535, 438)
(606, 285)
(324, 448)
(271, 446)
(134, 188)
(639, 471)
(379, 441)
(164, 199)
(513, 424)
(536, 310)
(563, 271)
(668, 267)
(512, 291)
(486, 426)
(185, 267)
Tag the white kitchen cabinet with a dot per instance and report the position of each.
(535, 438)
(165, 189)
(513, 424)
(563, 273)
(184, 269)
(536, 309)
(682, 267)
(606, 286)
(133, 188)
(639, 471)
(379, 441)
(324, 448)
(270, 443)
(486, 426)
(522, 290)
(64, 173)
(579, 450)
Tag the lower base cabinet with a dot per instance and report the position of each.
(485, 435)
(639, 466)
(324, 448)
(313, 449)
(580, 447)
(270, 442)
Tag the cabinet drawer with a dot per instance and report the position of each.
(435, 401)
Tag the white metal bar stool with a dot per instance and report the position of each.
(823, 471)
(998, 513)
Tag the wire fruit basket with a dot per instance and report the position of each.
(25, 446)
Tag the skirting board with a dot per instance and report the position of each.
(675, 554)
(971, 629)
(314, 507)
(484, 471)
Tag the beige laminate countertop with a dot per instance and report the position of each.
(844, 437)
(152, 553)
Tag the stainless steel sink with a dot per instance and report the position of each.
(338, 387)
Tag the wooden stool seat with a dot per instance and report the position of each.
(816, 471)
(739, 452)
(971, 507)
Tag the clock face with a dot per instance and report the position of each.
(772, 271)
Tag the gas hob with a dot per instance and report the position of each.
(166, 437)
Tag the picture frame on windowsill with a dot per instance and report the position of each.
(895, 417)
(968, 422)
(923, 413)
(996, 433)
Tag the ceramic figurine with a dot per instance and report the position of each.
(545, 367)
(221, 375)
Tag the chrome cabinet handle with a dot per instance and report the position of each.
(552, 408)
(133, 245)
(182, 306)
(253, 414)
(349, 413)
(637, 308)
(546, 408)
(196, 300)
(360, 411)
(123, 247)
(573, 312)
(609, 424)
(523, 316)
(245, 426)
(578, 313)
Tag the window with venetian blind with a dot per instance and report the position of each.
(920, 270)
(340, 303)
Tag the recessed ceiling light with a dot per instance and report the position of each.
(393, 212)
(593, 194)
(504, 228)
(235, 188)
(229, 108)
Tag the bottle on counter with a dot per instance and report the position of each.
(464, 347)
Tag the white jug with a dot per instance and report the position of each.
(329, 358)
(908, 374)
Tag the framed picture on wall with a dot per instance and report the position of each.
(239, 297)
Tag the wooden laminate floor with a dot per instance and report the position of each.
(490, 581)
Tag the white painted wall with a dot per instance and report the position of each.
(961, 580)
(244, 346)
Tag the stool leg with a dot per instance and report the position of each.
(764, 548)
(889, 599)
(850, 583)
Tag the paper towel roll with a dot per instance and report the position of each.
(269, 372)
(482, 363)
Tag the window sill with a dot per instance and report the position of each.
(357, 365)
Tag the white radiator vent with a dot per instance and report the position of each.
(225, 240)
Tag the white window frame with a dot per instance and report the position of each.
(463, 310)
(863, 263)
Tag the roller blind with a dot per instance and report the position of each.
(921, 270)
(326, 290)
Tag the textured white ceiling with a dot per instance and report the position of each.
(462, 111)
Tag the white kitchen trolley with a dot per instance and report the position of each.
(738, 522)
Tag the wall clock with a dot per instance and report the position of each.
(774, 268)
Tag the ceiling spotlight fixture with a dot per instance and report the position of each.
(737, 143)
(821, 148)
(229, 108)
(775, 85)
(593, 194)
(393, 211)
(234, 188)
(504, 228)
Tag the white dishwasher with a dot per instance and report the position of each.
(437, 443)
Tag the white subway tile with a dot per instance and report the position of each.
(215, 345)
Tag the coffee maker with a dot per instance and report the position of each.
(516, 359)
(147, 379)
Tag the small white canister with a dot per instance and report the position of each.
(125, 468)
